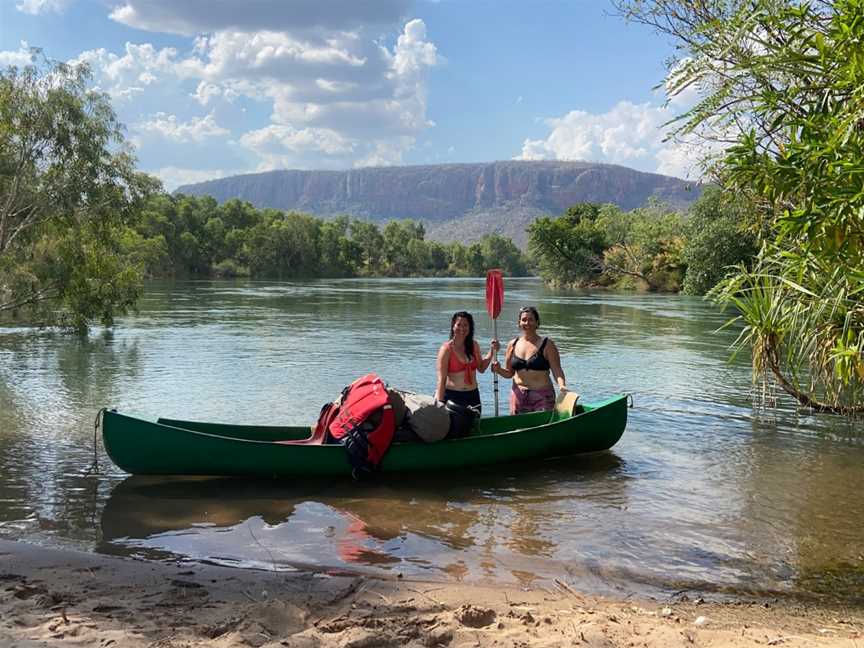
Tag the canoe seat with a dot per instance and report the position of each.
(565, 406)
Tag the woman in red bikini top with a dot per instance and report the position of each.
(459, 360)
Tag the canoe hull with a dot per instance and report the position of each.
(171, 447)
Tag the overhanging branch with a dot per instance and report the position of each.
(801, 397)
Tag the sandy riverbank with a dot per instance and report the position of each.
(63, 598)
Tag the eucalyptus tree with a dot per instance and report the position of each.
(782, 94)
(68, 186)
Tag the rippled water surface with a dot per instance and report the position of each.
(703, 492)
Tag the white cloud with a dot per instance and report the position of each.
(37, 7)
(623, 135)
(195, 130)
(206, 92)
(635, 135)
(337, 94)
(191, 17)
(123, 76)
(276, 139)
(386, 153)
(628, 134)
(340, 94)
(413, 52)
(172, 177)
(19, 58)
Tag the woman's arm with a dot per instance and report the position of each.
(483, 361)
(507, 370)
(441, 364)
(554, 358)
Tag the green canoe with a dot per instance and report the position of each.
(173, 447)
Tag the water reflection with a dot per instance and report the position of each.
(407, 524)
(47, 382)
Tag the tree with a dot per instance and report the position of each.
(67, 187)
(783, 89)
(717, 240)
(370, 244)
(645, 245)
(402, 254)
(500, 252)
(600, 244)
(568, 249)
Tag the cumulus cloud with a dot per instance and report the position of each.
(340, 84)
(629, 134)
(195, 130)
(326, 84)
(19, 58)
(413, 52)
(634, 135)
(37, 7)
(191, 17)
(624, 134)
(277, 139)
(126, 75)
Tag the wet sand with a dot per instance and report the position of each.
(52, 597)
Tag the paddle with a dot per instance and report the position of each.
(494, 301)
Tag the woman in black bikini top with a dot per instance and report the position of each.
(532, 389)
(536, 362)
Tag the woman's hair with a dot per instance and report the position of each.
(469, 339)
(529, 309)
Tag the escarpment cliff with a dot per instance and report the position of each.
(455, 201)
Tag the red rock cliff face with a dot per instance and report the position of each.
(447, 192)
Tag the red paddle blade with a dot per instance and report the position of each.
(494, 293)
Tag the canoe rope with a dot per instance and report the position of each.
(94, 467)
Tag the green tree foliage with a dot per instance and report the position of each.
(645, 248)
(184, 235)
(783, 84)
(717, 240)
(602, 245)
(67, 188)
(501, 252)
(568, 249)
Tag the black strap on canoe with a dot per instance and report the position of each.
(94, 467)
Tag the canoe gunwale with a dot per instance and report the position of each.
(588, 409)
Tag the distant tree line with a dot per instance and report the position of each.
(194, 236)
(653, 247)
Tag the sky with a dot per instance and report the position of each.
(211, 88)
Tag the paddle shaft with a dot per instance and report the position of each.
(495, 359)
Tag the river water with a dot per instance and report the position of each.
(705, 492)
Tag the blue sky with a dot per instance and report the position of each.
(208, 88)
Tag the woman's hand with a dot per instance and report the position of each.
(496, 366)
(495, 346)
